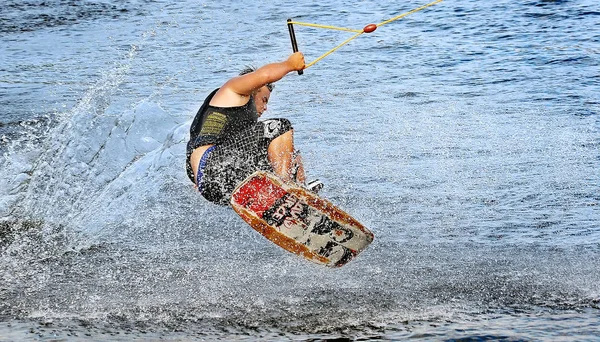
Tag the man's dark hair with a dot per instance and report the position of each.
(248, 69)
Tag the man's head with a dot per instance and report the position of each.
(261, 96)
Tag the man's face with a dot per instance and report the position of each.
(261, 99)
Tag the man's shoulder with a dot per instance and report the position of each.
(226, 97)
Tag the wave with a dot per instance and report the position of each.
(31, 15)
(92, 166)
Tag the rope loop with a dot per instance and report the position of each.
(367, 29)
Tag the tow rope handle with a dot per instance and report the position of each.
(293, 39)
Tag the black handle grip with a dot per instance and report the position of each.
(293, 38)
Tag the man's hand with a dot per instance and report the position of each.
(296, 61)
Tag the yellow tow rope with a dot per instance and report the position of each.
(367, 29)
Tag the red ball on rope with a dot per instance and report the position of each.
(370, 28)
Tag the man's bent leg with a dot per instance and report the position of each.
(281, 155)
(298, 168)
(287, 163)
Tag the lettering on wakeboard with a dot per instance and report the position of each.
(287, 212)
(290, 213)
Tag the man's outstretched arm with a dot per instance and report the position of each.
(234, 91)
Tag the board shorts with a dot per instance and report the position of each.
(227, 164)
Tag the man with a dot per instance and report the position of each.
(228, 143)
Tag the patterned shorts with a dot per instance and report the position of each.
(237, 157)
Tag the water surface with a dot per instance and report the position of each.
(465, 136)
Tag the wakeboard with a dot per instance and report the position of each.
(299, 221)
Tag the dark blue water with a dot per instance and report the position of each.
(465, 136)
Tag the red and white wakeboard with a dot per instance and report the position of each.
(299, 221)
